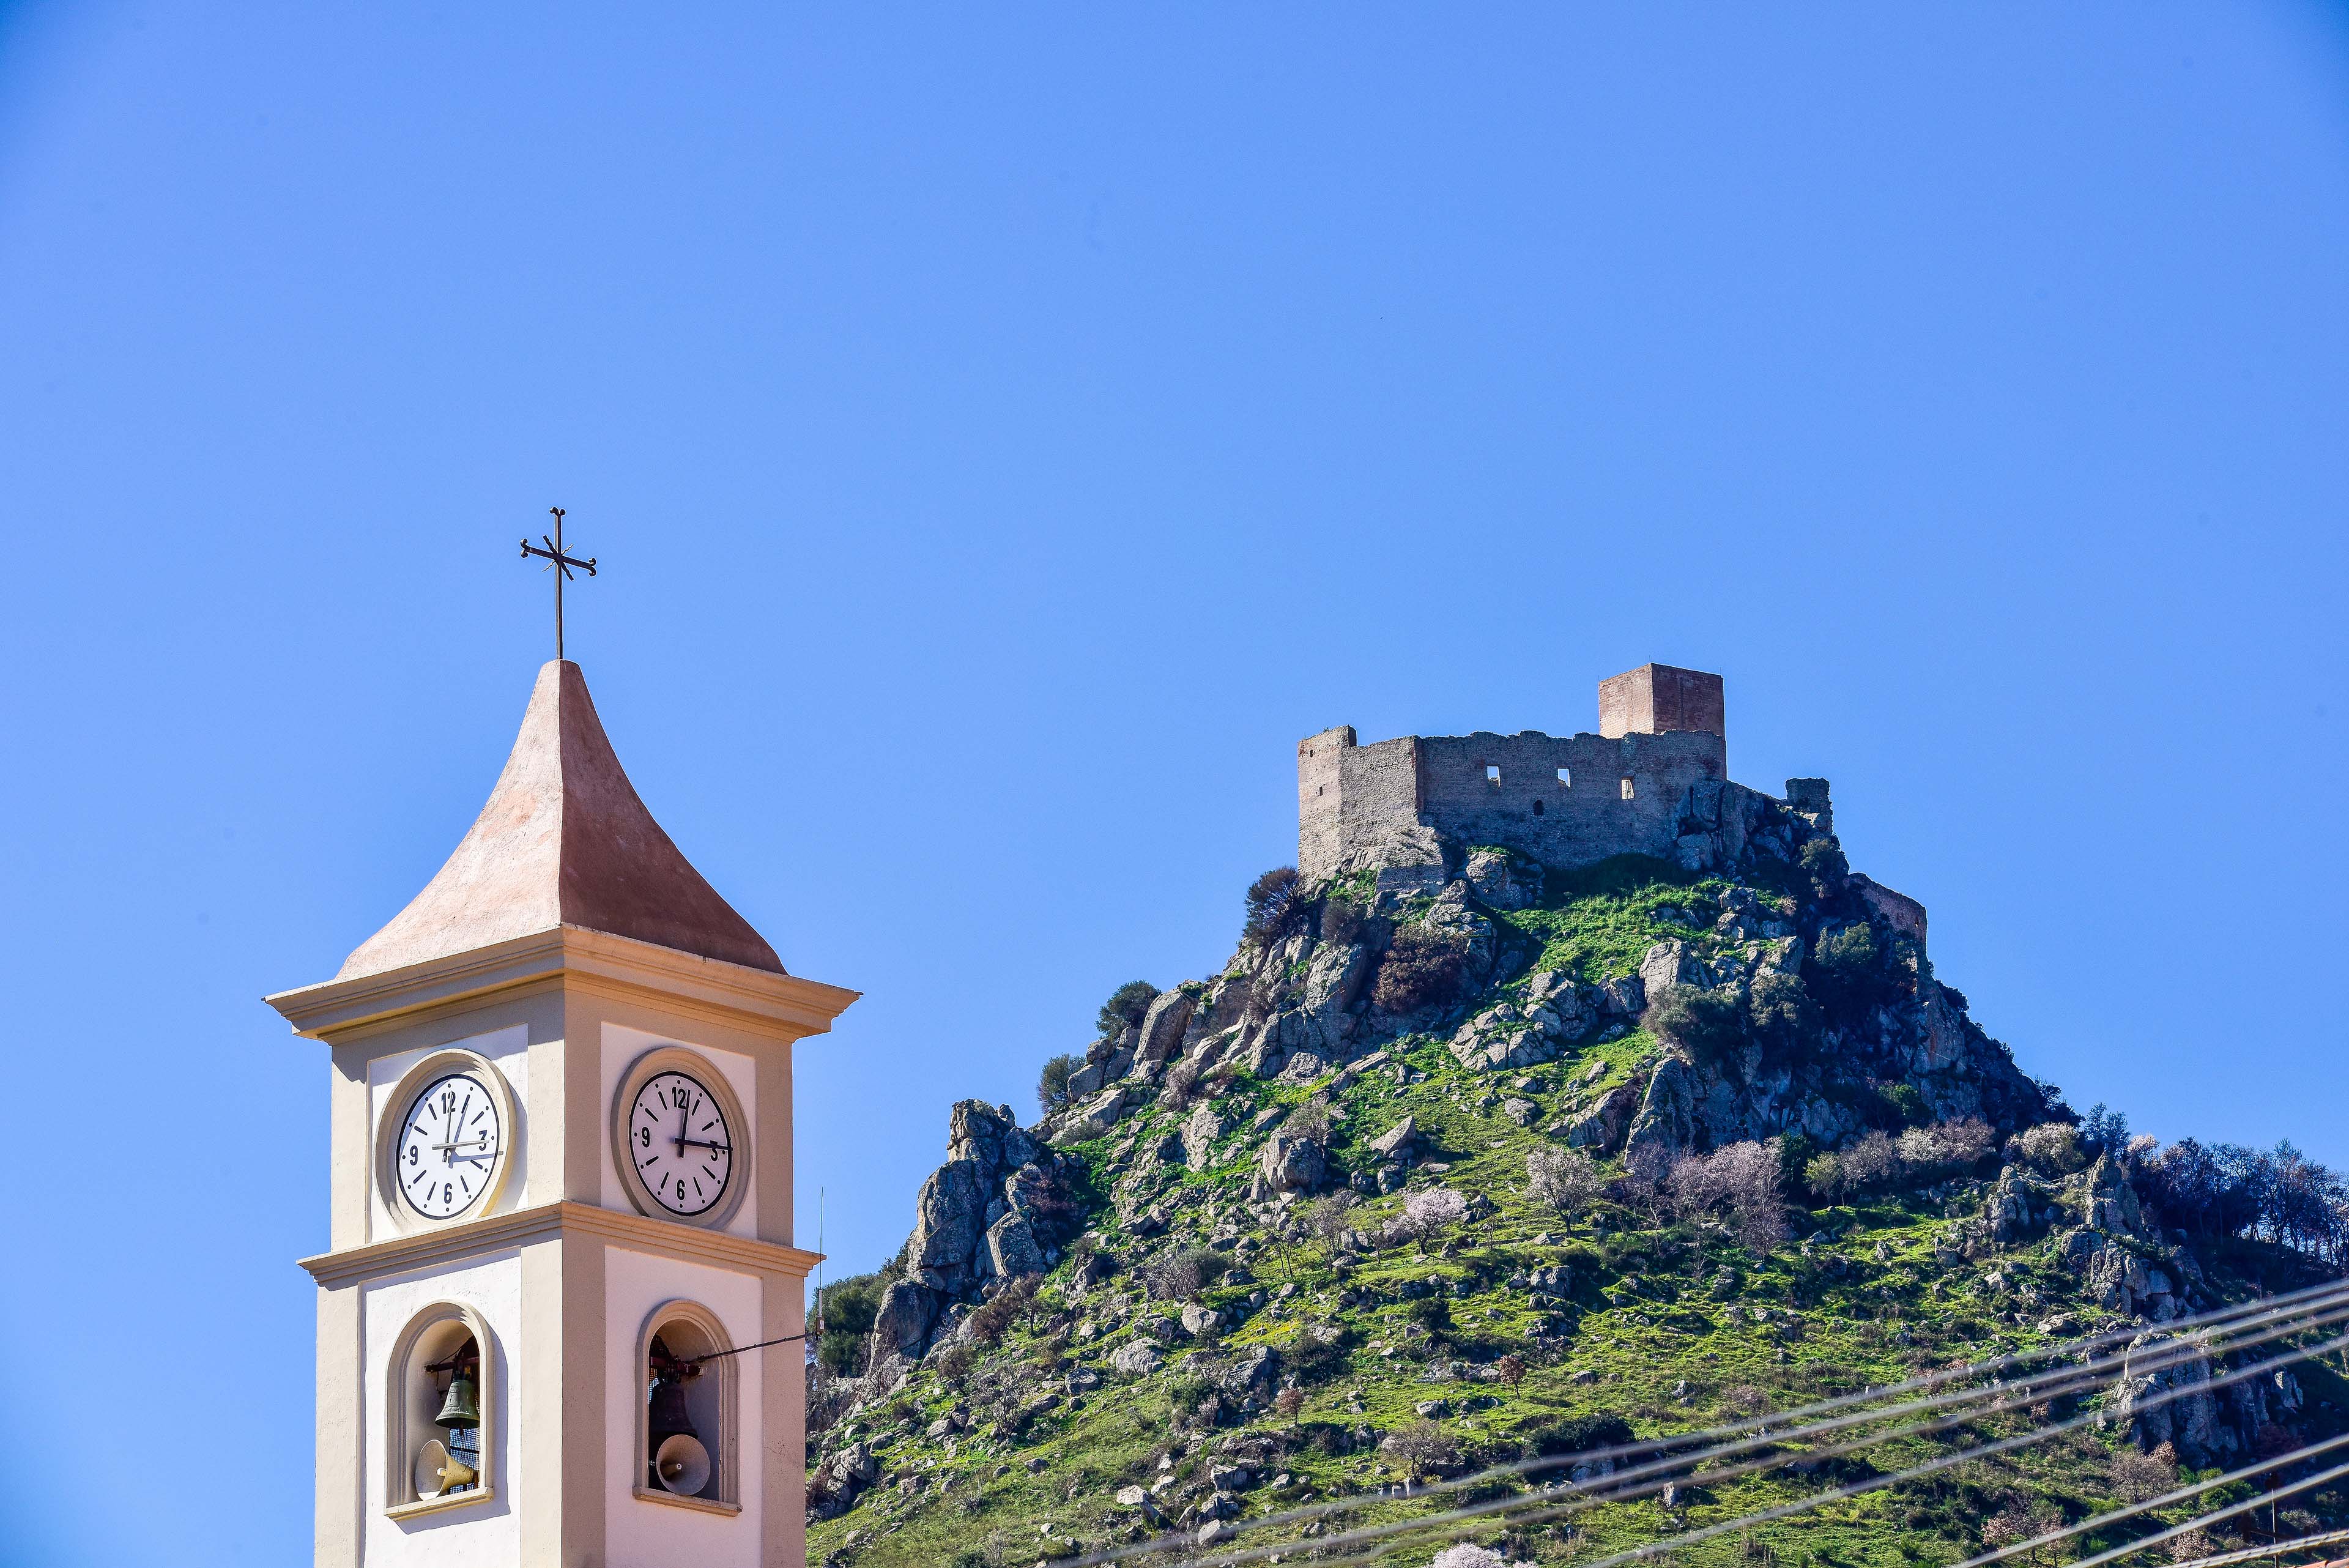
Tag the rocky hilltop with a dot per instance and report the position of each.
(1442, 1171)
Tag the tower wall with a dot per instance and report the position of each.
(1320, 792)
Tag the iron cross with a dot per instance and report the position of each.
(561, 565)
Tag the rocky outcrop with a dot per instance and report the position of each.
(993, 1210)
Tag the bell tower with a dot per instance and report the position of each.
(560, 1309)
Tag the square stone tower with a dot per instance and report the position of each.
(1660, 699)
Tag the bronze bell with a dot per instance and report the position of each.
(462, 1412)
(668, 1416)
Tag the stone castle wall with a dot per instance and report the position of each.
(1654, 781)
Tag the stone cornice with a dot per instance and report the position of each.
(552, 1220)
(780, 1004)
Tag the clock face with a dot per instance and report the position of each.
(450, 1147)
(679, 1143)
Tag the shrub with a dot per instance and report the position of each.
(1342, 922)
(1780, 1008)
(1272, 901)
(1421, 969)
(1741, 1178)
(2051, 1146)
(1468, 1555)
(1699, 1022)
(847, 1314)
(1331, 1219)
(1426, 1213)
(1309, 1121)
(1053, 1083)
(1316, 1360)
(1578, 1435)
(1432, 1314)
(1421, 1447)
(2137, 1476)
(1128, 1004)
(1184, 1273)
(1845, 963)
(1873, 1164)
(1824, 1177)
(1564, 1180)
(1181, 1086)
(993, 1317)
(1904, 1104)
(1823, 859)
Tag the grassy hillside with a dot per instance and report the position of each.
(1418, 1348)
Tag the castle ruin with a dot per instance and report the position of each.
(1653, 781)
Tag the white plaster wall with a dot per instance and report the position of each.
(641, 1535)
(508, 1050)
(622, 1046)
(488, 1535)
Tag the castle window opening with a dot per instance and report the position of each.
(1566, 777)
(1627, 788)
(1492, 775)
(1537, 808)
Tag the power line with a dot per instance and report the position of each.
(1535, 1514)
(2249, 1504)
(2180, 1494)
(2317, 1305)
(2303, 1544)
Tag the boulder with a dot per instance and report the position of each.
(1601, 1129)
(1398, 1140)
(1502, 880)
(1521, 1112)
(1672, 962)
(1256, 1371)
(1291, 1163)
(1665, 1126)
(1199, 1135)
(901, 1325)
(1137, 1357)
(1161, 1035)
(1336, 978)
(1093, 1118)
(1012, 1249)
(1198, 1320)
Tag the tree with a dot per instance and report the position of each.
(1420, 1447)
(1128, 1004)
(1053, 1083)
(1271, 899)
(1330, 1221)
(1511, 1369)
(1564, 1180)
(1289, 1402)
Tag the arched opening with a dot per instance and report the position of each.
(1627, 789)
(1537, 808)
(685, 1425)
(441, 1411)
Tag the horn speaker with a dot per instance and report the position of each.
(682, 1465)
(438, 1471)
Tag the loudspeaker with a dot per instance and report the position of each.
(437, 1470)
(682, 1464)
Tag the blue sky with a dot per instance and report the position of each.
(1006, 430)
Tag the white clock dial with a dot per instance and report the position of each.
(450, 1147)
(679, 1143)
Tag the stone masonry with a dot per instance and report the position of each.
(1653, 781)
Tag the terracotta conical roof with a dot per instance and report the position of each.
(564, 841)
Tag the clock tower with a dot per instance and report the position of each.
(560, 1309)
